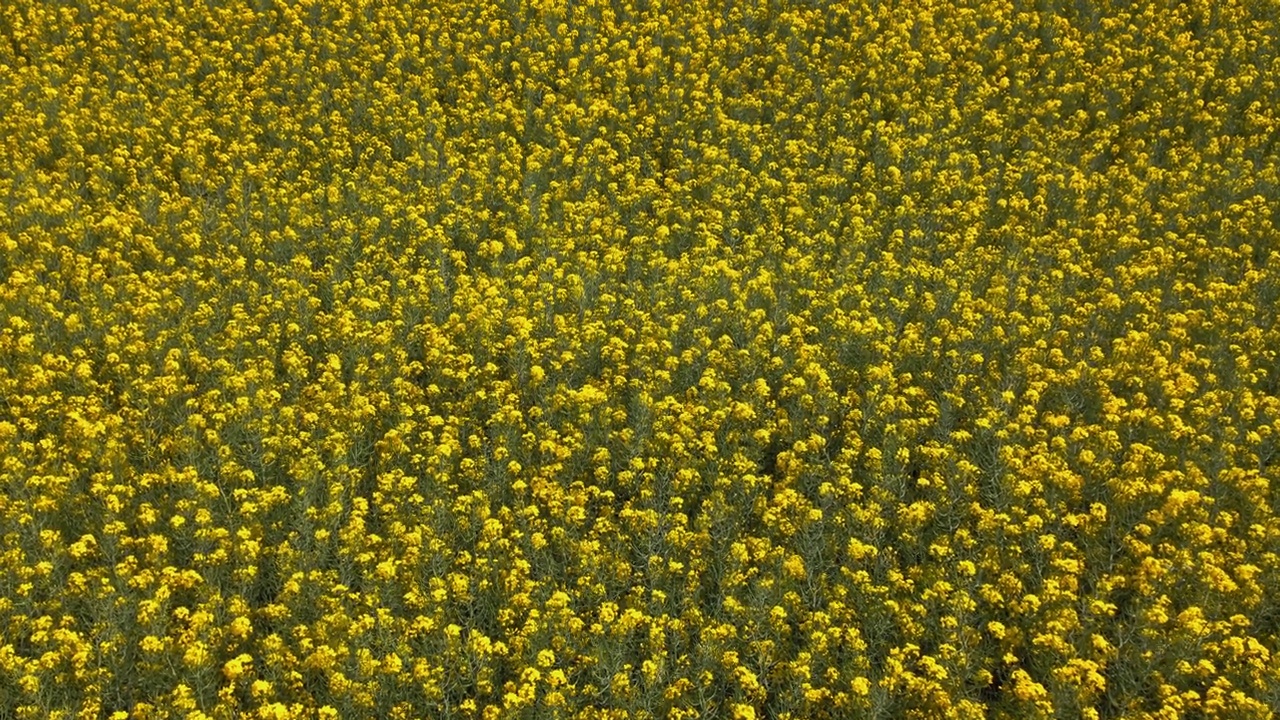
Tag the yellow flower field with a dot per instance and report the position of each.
(616, 359)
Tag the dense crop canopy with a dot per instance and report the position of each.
(637, 359)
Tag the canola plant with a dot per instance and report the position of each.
(639, 359)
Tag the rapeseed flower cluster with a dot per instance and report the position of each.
(630, 359)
